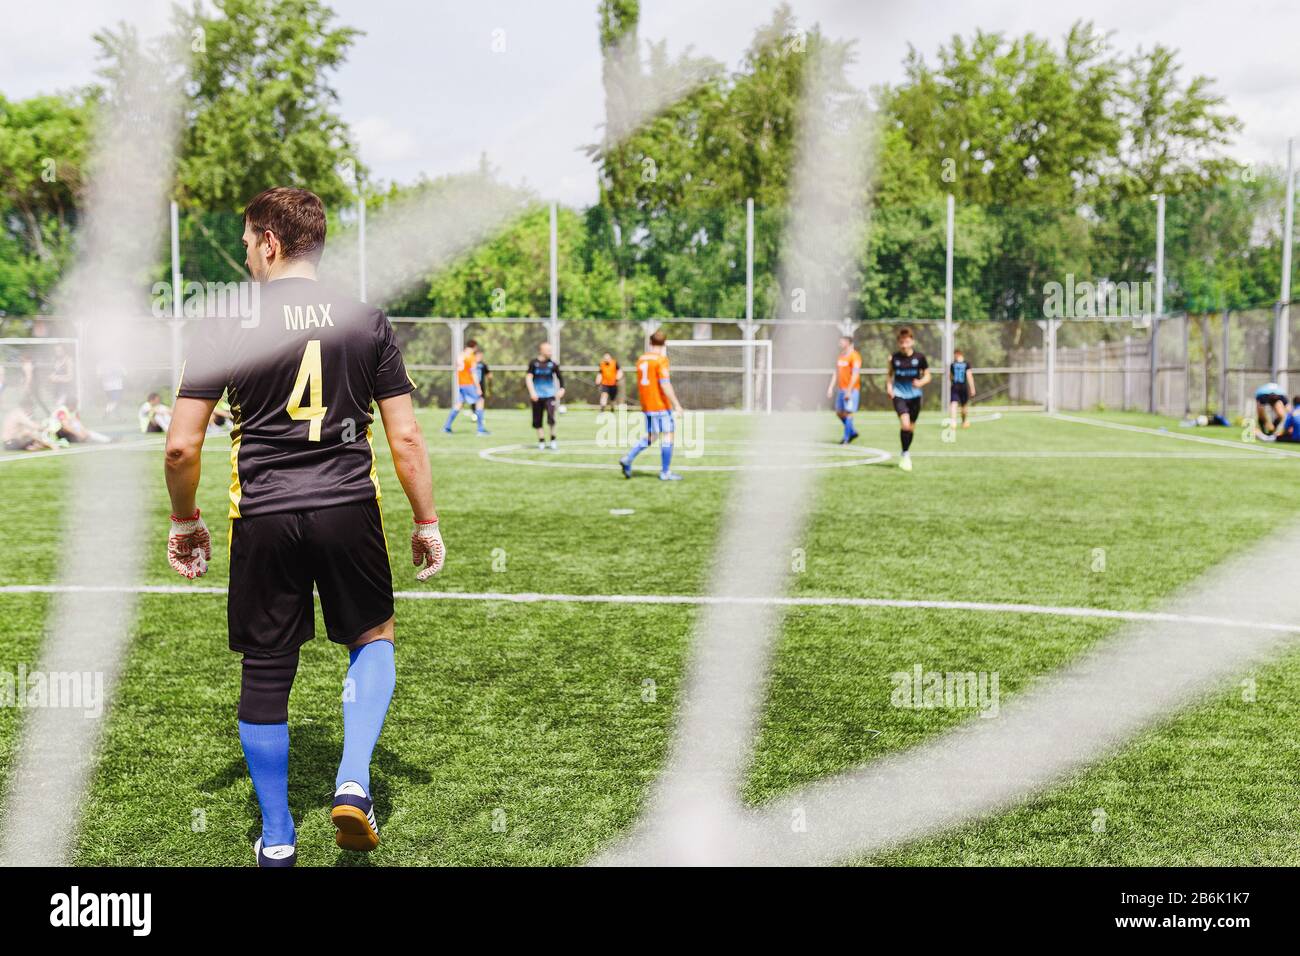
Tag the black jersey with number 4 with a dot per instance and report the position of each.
(302, 374)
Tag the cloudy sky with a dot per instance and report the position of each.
(434, 84)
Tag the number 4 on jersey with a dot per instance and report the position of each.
(309, 374)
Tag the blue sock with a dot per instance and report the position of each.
(848, 426)
(482, 419)
(266, 749)
(666, 455)
(639, 447)
(372, 674)
(451, 417)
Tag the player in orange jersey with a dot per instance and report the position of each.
(468, 391)
(844, 386)
(608, 378)
(659, 403)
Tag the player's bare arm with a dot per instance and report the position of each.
(528, 383)
(411, 462)
(924, 380)
(970, 381)
(189, 545)
(671, 395)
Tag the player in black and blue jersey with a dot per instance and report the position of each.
(545, 383)
(962, 389)
(909, 372)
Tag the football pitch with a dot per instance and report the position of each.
(538, 676)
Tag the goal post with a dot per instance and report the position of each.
(40, 389)
(722, 374)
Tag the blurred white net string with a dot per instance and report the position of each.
(123, 228)
(694, 815)
(104, 533)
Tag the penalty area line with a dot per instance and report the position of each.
(537, 597)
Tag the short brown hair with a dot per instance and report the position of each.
(905, 330)
(296, 216)
(658, 337)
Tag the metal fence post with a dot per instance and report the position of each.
(748, 328)
(1153, 401)
(1282, 322)
(947, 303)
(1224, 360)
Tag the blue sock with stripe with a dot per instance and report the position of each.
(666, 456)
(482, 419)
(366, 695)
(639, 447)
(266, 750)
(451, 417)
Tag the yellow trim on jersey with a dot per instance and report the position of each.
(236, 490)
(374, 462)
(230, 542)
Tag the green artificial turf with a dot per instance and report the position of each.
(529, 733)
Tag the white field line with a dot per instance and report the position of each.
(142, 444)
(1118, 455)
(839, 456)
(1143, 430)
(537, 597)
(1063, 722)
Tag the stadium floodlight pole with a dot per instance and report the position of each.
(1282, 328)
(176, 296)
(1154, 355)
(947, 303)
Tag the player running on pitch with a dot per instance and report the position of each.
(545, 383)
(962, 389)
(304, 502)
(608, 378)
(845, 386)
(909, 372)
(659, 403)
(468, 390)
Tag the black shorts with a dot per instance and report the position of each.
(609, 390)
(960, 393)
(908, 406)
(544, 406)
(17, 444)
(1270, 401)
(274, 561)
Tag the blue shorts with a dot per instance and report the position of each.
(468, 394)
(659, 422)
(846, 400)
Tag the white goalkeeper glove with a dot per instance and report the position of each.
(427, 549)
(189, 546)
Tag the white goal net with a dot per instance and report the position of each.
(712, 375)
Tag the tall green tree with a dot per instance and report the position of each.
(262, 109)
(43, 148)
